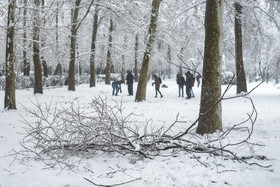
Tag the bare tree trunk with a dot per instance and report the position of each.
(58, 66)
(277, 71)
(58, 69)
(71, 78)
(136, 60)
(123, 69)
(93, 47)
(143, 79)
(123, 60)
(210, 106)
(26, 63)
(10, 98)
(109, 60)
(240, 72)
(45, 68)
(169, 59)
(38, 86)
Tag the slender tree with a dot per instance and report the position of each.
(143, 78)
(240, 72)
(93, 48)
(109, 59)
(10, 98)
(74, 28)
(210, 105)
(169, 60)
(124, 59)
(136, 58)
(38, 86)
(26, 63)
(43, 42)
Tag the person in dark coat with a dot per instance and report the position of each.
(116, 85)
(192, 80)
(129, 82)
(188, 84)
(157, 83)
(181, 82)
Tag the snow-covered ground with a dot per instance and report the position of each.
(178, 171)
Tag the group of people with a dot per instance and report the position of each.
(188, 82)
(116, 85)
(181, 81)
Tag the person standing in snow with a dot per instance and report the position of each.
(198, 79)
(181, 82)
(129, 82)
(188, 87)
(192, 80)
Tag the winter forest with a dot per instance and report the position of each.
(106, 37)
(58, 59)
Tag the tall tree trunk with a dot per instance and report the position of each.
(210, 106)
(43, 43)
(38, 87)
(136, 58)
(26, 63)
(109, 60)
(169, 59)
(123, 60)
(56, 40)
(74, 16)
(240, 72)
(93, 47)
(10, 98)
(123, 69)
(143, 78)
(277, 70)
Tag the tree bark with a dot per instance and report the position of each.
(26, 63)
(71, 78)
(210, 106)
(124, 59)
(170, 60)
(10, 98)
(109, 60)
(93, 47)
(240, 72)
(38, 86)
(143, 78)
(136, 58)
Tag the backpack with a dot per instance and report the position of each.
(159, 80)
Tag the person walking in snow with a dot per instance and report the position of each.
(157, 82)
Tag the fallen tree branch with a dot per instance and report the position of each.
(112, 185)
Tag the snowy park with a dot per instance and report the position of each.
(166, 169)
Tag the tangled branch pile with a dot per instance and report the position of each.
(66, 130)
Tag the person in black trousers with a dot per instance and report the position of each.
(157, 83)
(129, 82)
(181, 82)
